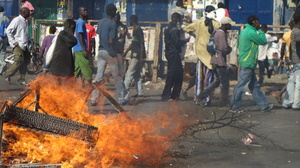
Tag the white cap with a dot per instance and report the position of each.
(227, 20)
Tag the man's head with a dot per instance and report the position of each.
(52, 29)
(179, 3)
(227, 23)
(1, 9)
(70, 24)
(221, 5)
(25, 12)
(22, 1)
(292, 24)
(133, 20)
(209, 8)
(264, 27)
(111, 10)
(117, 17)
(210, 12)
(176, 18)
(83, 12)
(253, 21)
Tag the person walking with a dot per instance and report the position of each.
(18, 37)
(4, 22)
(262, 55)
(249, 39)
(45, 46)
(122, 33)
(107, 55)
(203, 28)
(62, 62)
(173, 43)
(219, 63)
(285, 59)
(292, 95)
(138, 55)
(83, 68)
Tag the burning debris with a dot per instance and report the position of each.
(61, 109)
(49, 124)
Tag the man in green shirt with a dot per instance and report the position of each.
(249, 40)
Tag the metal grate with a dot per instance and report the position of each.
(49, 124)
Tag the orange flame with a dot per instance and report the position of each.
(126, 139)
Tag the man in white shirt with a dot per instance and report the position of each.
(262, 54)
(18, 38)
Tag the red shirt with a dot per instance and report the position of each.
(91, 33)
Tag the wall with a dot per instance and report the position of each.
(10, 7)
(148, 10)
(96, 8)
(240, 10)
(44, 9)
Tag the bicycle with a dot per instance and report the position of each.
(35, 63)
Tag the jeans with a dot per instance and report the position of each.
(248, 79)
(2, 53)
(134, 72)
(292, 95)
(103, 59)
(220, 76)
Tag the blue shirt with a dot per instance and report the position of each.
(107, 29)
(80, 28)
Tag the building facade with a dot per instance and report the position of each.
(271, 12)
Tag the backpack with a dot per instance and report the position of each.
(210, 46)
(3, 27)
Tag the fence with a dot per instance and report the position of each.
(155, 40)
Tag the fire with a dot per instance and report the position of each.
(125, 139)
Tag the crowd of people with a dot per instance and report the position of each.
(72, 50)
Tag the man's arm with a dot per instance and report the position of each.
(112, 33)
(175, 36)
(80, 26)
(68, 39)
(282, 50)
(10, 31)
(81, 41)
(6, 20)
(127, 50)
(191, 27)
(93, 41)
(142, 43)
(93, 45)
(258, 37)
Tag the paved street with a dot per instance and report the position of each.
(217, 145)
